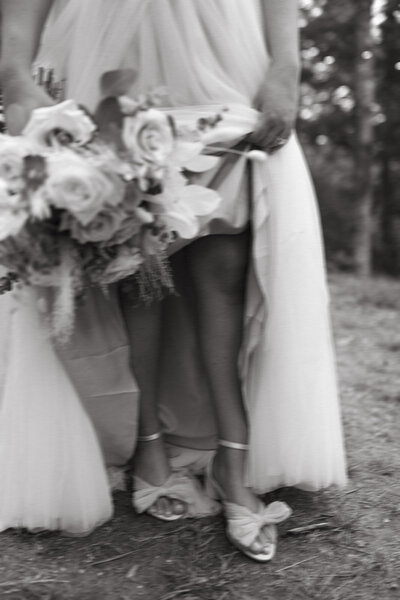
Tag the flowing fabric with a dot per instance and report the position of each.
(209, 54)
(203, 51)
(51, 468)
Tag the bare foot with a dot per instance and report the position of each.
(151, 465)
(228, 470)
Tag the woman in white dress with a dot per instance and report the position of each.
(253, 363)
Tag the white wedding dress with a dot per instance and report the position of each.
(207, 54)
(52, 471)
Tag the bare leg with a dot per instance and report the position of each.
(144, 330)
(218, 266)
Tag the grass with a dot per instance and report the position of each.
(354, 555)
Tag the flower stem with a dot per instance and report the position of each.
(226, 150)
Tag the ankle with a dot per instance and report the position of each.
(150, 461)
(229, 465)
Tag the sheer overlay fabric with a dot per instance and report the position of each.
(52, 471)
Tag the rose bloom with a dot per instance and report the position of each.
(125, 264)
(13, 150)
(8, 202)
(12, 217)
(149, 136)
(103, 228)
(65, 117)
(83, 190)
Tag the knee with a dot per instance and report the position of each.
(220, 264)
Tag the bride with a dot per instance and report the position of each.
(236, 373)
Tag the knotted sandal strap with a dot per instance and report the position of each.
(181, 486)
(244, 526)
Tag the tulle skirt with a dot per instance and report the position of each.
(52, 472)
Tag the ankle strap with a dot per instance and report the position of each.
(233, 445)
(149, 438)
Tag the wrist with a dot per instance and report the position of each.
(12, 72)
(286, 68)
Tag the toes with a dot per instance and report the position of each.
(269, 534)
(264, 543)
(178, 507)
(257, 546)
(165, 506)
(264, 538)
(157, 508)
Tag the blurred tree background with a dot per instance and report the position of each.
(349, 124)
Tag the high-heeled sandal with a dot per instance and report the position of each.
(243, 525)
(180, 486)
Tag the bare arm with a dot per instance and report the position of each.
(277, 98)
(22, 24)
(21, 28)
(281, 31)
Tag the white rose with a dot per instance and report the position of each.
(102, 228)
(80, 188)
(66, 121)
(11, 224)
(149, 136)
(7, 201)
(13, 150)
(12, 218)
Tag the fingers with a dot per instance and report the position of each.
(266, 132)
(271, 136)
(272, 132)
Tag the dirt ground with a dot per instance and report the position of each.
(354, 554)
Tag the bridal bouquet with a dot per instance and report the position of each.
(92, 199)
